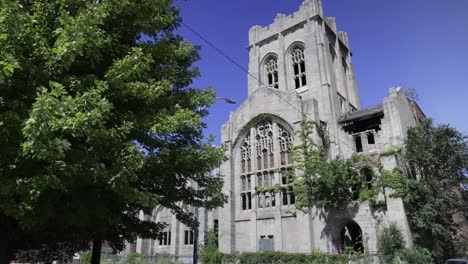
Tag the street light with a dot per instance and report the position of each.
(227, 100)
(195, 231)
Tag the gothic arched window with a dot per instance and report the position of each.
(271, 68)
(298, 63)
(272, 154)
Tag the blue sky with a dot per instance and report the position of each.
(410, 43)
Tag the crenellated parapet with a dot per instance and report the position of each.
(309, 9)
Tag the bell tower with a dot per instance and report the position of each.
(305, 53)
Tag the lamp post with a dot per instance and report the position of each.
(227, 100)
(195, 213)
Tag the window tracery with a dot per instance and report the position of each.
(271, 68)
(298, 63)
(273, 152)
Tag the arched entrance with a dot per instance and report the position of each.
(351, 237)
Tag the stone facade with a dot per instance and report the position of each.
(300, 64)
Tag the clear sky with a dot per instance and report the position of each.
(410, 43)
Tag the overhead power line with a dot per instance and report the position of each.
(254, 77)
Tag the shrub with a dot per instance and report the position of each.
(416, 256)
(85, 257)
(216, 257)
(391, 240)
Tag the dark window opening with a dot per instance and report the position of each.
(284, 178)
(244, 202)
(302, 67)
(285, 197)
(188, 237)
(298, 85)
(292, 198)
(165, 239)
(371, 141)
(303, 78)
(358, 143)
(249, 200)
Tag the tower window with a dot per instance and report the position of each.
(298, 63)
(272, 73)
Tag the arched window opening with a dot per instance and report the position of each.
(271, 68)
(264, 145)
(246, 154)
(272, 154)
(351, 238)
(298, 63)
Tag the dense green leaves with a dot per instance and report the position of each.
(391, 240)
(437, 161)
(97, 124)
(330, 183)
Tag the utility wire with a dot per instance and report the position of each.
(251, 75)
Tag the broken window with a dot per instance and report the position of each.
(272, 72)
(272, 158)
(358, 143)
(298, 63)
(371, 141)
(288, 197)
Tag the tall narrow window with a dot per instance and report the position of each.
(246, 168)
(272, 72)
(264, 145)
(298, 63)
(358, 143)
(188, 237)
(246, 195)
(285, 148)
(370, 141)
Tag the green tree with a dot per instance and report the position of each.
(98, 123)
(326, 182)
(437, 161)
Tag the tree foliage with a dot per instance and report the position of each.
(98, 123)
(325, 182)
(437, 161)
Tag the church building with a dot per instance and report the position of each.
(301, 64)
